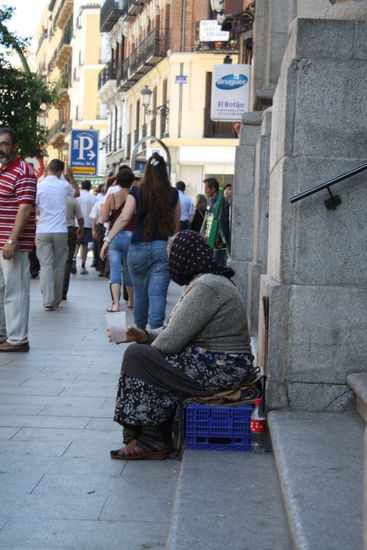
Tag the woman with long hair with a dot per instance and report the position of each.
(200, 207)
(157, 218)
(117, 253)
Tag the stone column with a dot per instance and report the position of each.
(260, 216)
(315, 290)
(243, 200)
(270, 40)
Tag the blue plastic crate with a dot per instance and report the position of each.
(218, 428)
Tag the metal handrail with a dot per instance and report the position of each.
(327, 183)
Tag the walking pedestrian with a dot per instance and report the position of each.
(17, 232)
(118, 250)
(52, 231)
(157, 218)
(200, 207)
(211, 188)
(73, 212)
(86, 201)
(187, 206)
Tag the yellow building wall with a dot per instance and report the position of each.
(90, 101)
(92, 39)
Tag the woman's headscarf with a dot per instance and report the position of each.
(190, 256)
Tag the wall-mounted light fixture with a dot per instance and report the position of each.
(146, 95)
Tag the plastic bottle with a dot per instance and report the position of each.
(257, 427)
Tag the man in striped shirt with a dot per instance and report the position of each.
(17, 232)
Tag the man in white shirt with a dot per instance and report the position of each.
(52, 232)
(187, 206)
(86, 201)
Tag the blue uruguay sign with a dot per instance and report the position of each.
(84, 152)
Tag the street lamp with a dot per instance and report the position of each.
(146, 94)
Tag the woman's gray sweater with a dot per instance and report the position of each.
(209, 314)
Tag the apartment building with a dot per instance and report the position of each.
(69, 54)
(157, 87)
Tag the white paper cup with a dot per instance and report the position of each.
(116, 323)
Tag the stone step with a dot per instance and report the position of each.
(358, 382)
(228, 500)
(319, 457)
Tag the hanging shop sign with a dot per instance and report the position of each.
(230, 92)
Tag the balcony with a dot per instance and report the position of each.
(217, 47)
(111, 11)
(56, 134)
(107, 73)
(64, 12)
(148, 54)
(64, 49)
(62, 98)
(134, 7)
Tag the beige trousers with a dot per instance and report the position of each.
(14, 298)
(52, 252)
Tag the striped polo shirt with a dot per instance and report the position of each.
(17, 186)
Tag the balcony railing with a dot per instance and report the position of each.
(107, 73)
(63, 13)
(148, 53)
(64, 49)
(134, 7)
(228, 47)
(111, 11)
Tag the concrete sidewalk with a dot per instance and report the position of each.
(58, 486)
(60, 489)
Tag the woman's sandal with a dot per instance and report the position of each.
(132, 451)
(111, 310)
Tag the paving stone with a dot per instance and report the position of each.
(19, 534)
(7, 433)
(69, 410)
(53, 506)
(43, 421)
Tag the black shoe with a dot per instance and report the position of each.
(73, 267)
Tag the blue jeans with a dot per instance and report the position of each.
(117, 252)
(148, 265)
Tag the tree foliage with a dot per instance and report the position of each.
(22, 93)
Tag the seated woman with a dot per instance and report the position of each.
(203, 348)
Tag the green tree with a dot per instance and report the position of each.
(22, 93)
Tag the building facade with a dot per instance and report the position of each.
(69, 54)
(155, 47)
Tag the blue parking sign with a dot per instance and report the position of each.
(84, 152)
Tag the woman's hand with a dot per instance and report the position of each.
(104, 251)
(137, 335)
(131, 334)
